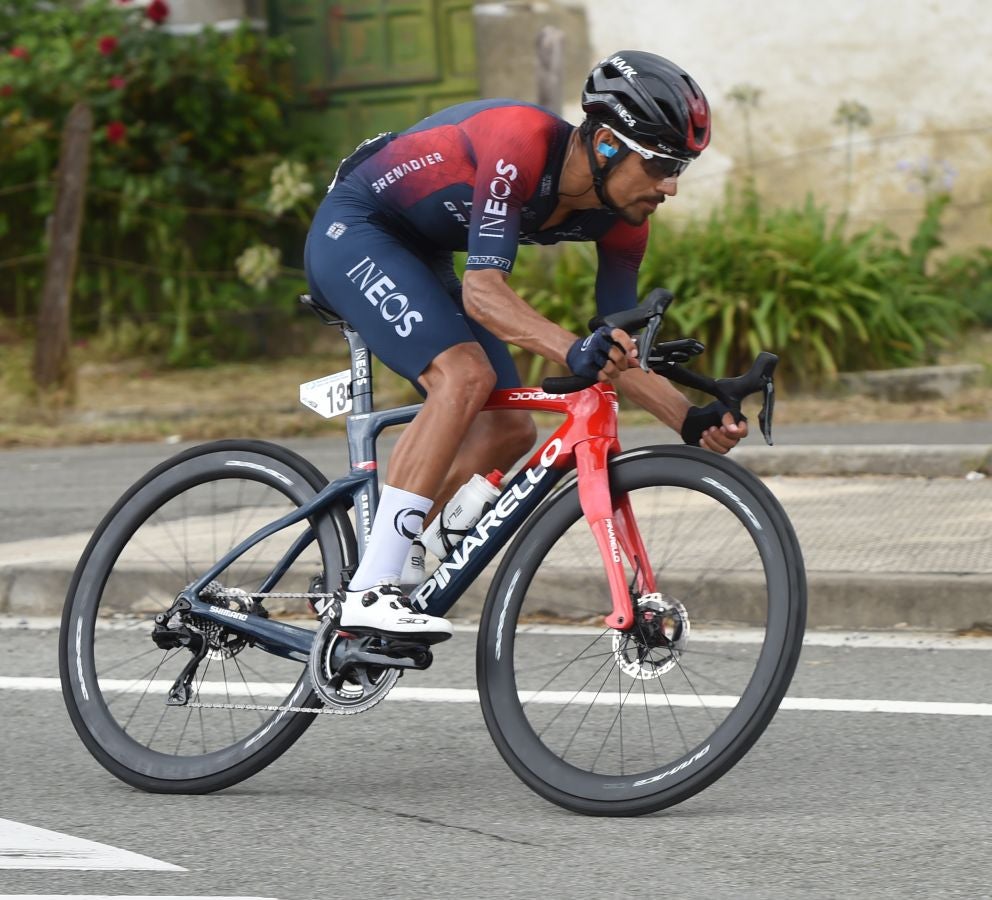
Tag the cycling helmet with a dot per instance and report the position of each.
(651, 100)
(648, 99)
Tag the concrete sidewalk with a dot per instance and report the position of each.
(880, 553)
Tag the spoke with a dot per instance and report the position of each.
(675, 719)
(693, 687)
(575, 659)
(621, 700)
(149, 674)
(244, 681)
(117, 665)
(724, 688)
(564, 706)
(144, 693)
(547, 665)
(585, 715)
(647, 716)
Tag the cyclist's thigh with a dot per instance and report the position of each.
(383, 288)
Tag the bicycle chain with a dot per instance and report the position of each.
(260, 707)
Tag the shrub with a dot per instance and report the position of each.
(187, 129)
(785, 280)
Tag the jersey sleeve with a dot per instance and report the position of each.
(511, 148)
(620, 252)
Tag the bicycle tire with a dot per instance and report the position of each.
(112, 578)
(723, 510)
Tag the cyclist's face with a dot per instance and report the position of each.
(636, 188)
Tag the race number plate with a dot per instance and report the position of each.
(329, 396)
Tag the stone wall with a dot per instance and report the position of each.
(923, 68)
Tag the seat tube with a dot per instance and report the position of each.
(591, 459)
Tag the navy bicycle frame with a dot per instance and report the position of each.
(359, 487)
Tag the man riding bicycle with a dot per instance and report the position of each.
(484, 177)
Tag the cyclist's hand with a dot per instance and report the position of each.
(602, 355)
(713, 427)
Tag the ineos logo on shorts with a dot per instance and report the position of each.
(379, 290)
(495, 210)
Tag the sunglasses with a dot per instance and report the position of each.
(656, 164)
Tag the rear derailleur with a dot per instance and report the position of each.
(176, 628)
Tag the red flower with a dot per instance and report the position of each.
(116, 132)
(116, 83)
(158, 11)
(20, 52)
(6, 91)
(108, 45)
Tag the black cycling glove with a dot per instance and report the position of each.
(698, 419)
(587, 356)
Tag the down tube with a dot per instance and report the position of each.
(465, 563)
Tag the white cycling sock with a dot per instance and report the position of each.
(398, 520)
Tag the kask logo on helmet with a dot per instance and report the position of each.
(623, 67)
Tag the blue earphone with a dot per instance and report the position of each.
(606, 149)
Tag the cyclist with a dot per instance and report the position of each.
(485, 176)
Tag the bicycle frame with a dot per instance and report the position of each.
(585, 442)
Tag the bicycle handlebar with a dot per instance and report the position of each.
(665, 358)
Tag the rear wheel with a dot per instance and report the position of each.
(166, 530)
(623, 723)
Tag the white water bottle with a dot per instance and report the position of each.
(461, 512)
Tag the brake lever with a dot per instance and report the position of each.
(767, 409)
(645, 340)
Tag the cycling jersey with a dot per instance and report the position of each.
(480, 177)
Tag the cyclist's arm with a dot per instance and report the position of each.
(491, 302)
(664, 402)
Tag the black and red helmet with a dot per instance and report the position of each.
(651, 100)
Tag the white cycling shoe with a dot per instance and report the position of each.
(385, 610)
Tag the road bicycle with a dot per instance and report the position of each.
(189, 660)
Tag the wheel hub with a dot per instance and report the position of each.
(223, 643)
(657, 640)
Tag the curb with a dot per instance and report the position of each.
(901, 460)
(847, 600)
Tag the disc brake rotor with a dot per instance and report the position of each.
(657, 640)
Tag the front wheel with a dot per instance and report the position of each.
(604, 722)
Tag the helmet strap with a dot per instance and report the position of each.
(599, 172)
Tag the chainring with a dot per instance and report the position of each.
(351, 692)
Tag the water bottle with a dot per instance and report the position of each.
(461, 512)
(415, 568)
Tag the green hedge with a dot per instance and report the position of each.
(792, 281)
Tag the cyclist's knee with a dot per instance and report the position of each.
(461, 374)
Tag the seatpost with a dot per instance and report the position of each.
(361, 370)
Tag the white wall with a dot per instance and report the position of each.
(922, 67)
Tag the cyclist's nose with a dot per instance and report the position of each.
(669, 186)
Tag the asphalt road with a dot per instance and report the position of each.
(412, 800)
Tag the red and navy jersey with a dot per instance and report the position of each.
(482, 177)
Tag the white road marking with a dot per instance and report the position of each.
(115, 897)
(280, 690)
(868, 640)
(27, 847)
